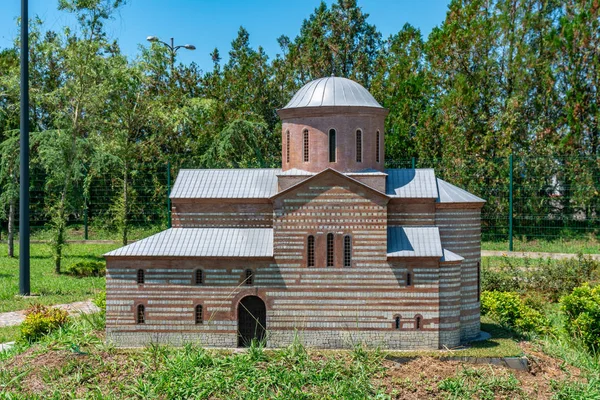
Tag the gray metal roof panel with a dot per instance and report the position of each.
(332, 91)
(225, 183)
(450, 256)
(295, 172)
(448, 193)
(411, 183)
(202, 242)
(414, 242)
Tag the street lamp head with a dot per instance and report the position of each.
(190, 47)
(152, 39)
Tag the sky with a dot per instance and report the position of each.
(211, 23)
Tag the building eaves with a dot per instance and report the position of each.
(448, 193)
(411, 183)
(406, 241)
(450, 257)
(225, 183)
(202, 242)
(326, 171)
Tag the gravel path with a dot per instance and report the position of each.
(16, 317)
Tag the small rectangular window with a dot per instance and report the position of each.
(332, 145)
(306, 144)
(287, 147)
(359, 146)
(198, 314)
(377, 149)
(310, 251)
(408, 279)
(347, 251)
(199, 277)
(140, 276)
(141, 314)
(330, 249)
(249, 277)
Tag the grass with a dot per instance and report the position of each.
(9, 333)
(503, 343)
(585, 245)
(76, 232)
(74, 362)
(49, 287)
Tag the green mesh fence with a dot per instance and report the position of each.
(552, 198)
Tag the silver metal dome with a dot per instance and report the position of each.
(332, 91)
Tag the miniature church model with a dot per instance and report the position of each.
(332, 249)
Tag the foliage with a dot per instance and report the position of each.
(509, 309)
(87, 268)
(472, 383)
(100, 301)
(582, 311)
(495, 78)
(41, 320)
(51, 288)
(548, 277)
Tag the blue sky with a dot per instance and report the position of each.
(208, 23)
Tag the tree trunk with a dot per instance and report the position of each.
(11, 228)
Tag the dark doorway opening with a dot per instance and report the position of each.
(252, 320)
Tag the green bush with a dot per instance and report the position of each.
(87, 268)
(41, 320)
(100, 301)
(551, 278)
(582, 311)
(509, 309)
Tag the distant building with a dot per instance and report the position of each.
(332, 247)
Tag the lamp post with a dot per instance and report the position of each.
(24, 271)
(172, 49)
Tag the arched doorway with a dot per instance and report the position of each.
(252, 320)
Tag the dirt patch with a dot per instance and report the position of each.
(423, 377)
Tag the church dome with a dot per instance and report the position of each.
(332, 91)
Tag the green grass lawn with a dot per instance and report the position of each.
(9, 333)
(49, 287)
(588, 245)
(75, 362)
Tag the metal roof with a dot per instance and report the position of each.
(332, 91)
(414, 242)
(225, 183)
(202, 242)
(296, 172)
(411, 183)
(262, 183)
(448, 193)
(450, 256)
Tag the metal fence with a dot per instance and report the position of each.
(527, 197)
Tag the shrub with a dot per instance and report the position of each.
(41, 320)
(87, 268)
(582, 311)
(509, 309)
(100, 301)
(552, 278)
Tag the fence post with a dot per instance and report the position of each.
(168, 194)
(413, 163)
(510, 202)
(85, 206)
(85, 222)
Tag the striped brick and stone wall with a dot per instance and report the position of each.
(411, 212)
(222, 213)
(324, 307)
(460, 232)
